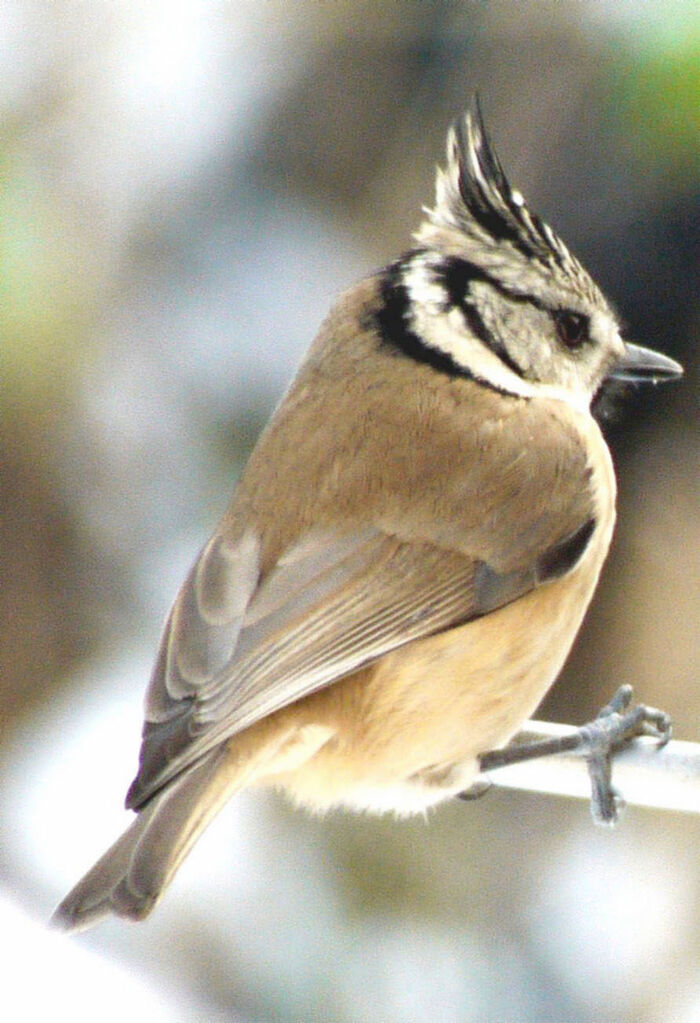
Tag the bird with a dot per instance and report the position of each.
(408, 554)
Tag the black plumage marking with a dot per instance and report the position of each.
(392, 319)
(500, 229)
(562, 557)
(456, 275)
(494, 589)
(504, 223)
(491, 219)
(161, 743)
(477, 325)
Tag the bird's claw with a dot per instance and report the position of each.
(616, 724)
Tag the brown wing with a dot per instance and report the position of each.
(329, 607)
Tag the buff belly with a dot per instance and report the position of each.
(404, 733)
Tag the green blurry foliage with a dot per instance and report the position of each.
(48, 283)
(656, 94)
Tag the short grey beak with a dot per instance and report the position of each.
(642, 366)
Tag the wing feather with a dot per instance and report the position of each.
(351, 600)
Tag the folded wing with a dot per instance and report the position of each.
(235, 650)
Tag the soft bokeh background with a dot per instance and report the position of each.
(185, 187)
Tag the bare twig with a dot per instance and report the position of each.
(644, 774)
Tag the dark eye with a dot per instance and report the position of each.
(572, 328)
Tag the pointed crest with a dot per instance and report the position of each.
(474, 196)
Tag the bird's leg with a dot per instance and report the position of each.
(616, 724)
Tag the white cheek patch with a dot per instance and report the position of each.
(448, 334)
(444, 329)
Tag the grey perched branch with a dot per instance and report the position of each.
(645, 775)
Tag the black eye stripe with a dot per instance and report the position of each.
(573, 329)
(457, 274)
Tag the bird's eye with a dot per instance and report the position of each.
(572, 328)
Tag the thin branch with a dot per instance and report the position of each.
(644, 774)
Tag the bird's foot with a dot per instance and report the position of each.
(616, 725)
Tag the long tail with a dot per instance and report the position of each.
(132, 875)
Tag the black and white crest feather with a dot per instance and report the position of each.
(475, 199)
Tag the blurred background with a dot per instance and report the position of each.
(185, 186)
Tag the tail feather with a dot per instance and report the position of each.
(131, 876)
